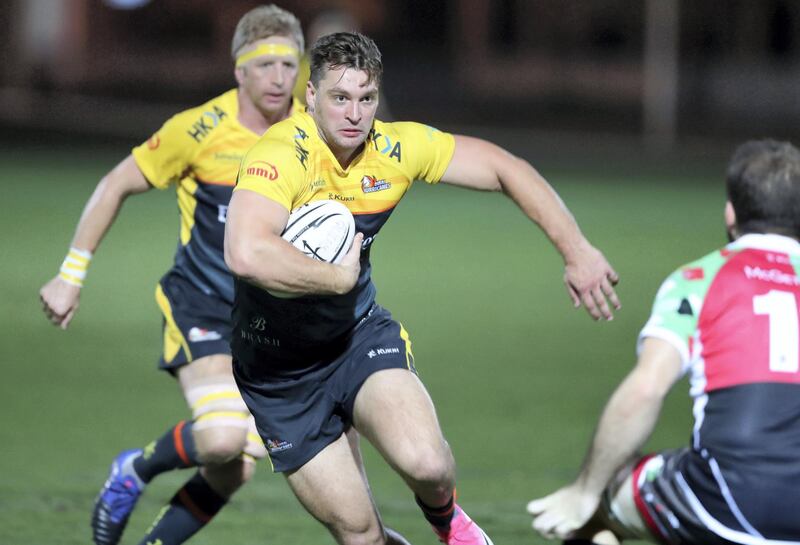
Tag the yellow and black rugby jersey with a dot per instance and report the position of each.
(292, 165)
(199, 151)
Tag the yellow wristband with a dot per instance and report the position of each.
(75, 266)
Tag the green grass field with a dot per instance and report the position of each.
(518, 376)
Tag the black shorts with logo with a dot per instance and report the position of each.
(658, 492)
(196, 325)
(299, 415)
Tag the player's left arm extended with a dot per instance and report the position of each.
(478, 164)
(627, 421)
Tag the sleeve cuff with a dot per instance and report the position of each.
(672, 338)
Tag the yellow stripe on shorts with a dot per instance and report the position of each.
(173, 338)
(409, 353)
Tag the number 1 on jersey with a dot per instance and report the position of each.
(781, 307)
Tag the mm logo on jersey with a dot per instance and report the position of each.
(370, 184)
(262, 169)
(384, 145)
(206, 123)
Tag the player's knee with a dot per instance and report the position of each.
(219, 445)
(364, 531)
(221, 420)
(434, 467)
(227, 478)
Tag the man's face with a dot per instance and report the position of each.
(268, 80)
(343, 106)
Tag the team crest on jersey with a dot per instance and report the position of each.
(370, 184)
(277, 445)
(262, 169)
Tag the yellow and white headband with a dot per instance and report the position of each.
(280, 50)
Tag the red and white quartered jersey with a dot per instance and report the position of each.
(733, 316)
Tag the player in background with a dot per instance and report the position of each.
(198, 152)
(729, 320)
(312, 367)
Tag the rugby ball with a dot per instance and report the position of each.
(322, 230)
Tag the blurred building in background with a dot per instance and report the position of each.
(661, 69)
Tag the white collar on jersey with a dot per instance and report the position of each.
(771, 242)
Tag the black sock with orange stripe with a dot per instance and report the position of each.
(191, 508)
(438, 516)
(175, 449)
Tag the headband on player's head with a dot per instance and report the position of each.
(281, 50)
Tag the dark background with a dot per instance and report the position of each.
(665, 72)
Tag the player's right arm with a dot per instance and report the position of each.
(627, 421)
(272, 178)
(60, 295)
(481, 165)
(256, 253)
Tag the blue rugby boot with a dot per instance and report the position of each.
(116, 500)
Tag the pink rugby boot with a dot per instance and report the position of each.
(463, 531)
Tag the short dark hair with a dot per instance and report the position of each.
(348, 49)
(763, 185)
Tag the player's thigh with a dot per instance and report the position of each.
(641, 503)
(223, 427)
(619, 511)
(395, 413)
(651, 503)
(331, 487)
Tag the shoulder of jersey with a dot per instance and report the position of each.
(391, 139)
(202, 120)
(393, 129)
(297, 126)
(707, 264)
